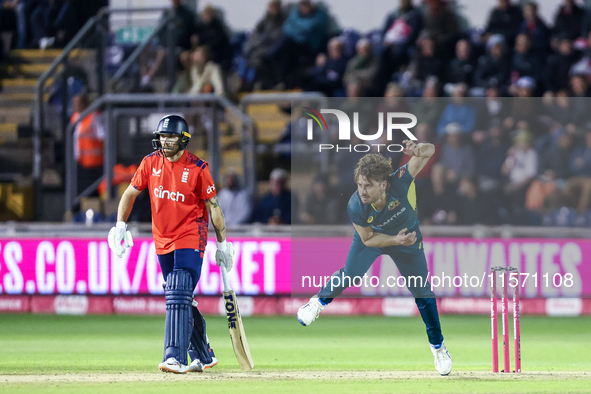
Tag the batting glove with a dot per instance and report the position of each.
(117, 235)
(225, 255)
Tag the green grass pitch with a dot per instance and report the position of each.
(120, 354)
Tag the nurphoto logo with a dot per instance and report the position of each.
(344, 132)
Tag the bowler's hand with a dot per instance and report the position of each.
(411, 148)
(117, 235)
(406, 239)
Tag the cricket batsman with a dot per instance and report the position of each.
(181, 188)
(383, 211)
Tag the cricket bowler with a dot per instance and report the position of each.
(383, 211)
(181, 189)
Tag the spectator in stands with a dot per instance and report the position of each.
(265, 36)
(304, 33)
(577, 189)
(428, 108)
(234, 201)
(461, 68)
(327, 74)
(492, 110)
(456, 157)
(494, 68)
(206, 75)
(535, 28)
(399, 34)
(276, 206)
(210, 32)
(89, 135)
(491, 154)
(184, 27)
(426, 64)
(8, 24)
(505, 19)
(458, 111)
(568, 20)
(473, 207)
(557, 158)
(579, 87)
(520, 167)
(438, 199)
(362, 69)
(443, 26)
(559, 65)
(320, 206)
(526, 62)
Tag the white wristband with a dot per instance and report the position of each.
(221, 245)
(121, 225)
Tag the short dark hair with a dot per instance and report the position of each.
(374, 167)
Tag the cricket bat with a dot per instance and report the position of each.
(235, 326)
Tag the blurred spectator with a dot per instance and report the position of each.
(206, 75)
(461, 68)
(199, 74)
(579, 87)
(265, 36)
(473, 207)
(568, 20)
(558, 66)
(504, 19)
(458, 111)
(543, 194)
(580, 161)
(234, 201)
(304, 33)
(426, 64)
(577, 189)
(557, 158)
(520, 167)
(362, 68)
(8, 25)
(428, 108)
(456, 157)
(526, 62)
(276, 206)
(327, 75)
(494, 68)
(184, 26)
(492, 110)
(438, 200)
(320, 206)
(399, 34)
(491, 155)
(89, 135)
(535, 28)
(210, 31)
(443, 26)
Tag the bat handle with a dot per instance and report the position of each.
(225, 278)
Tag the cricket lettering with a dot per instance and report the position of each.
(230, 311)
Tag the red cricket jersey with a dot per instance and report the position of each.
(177, 194)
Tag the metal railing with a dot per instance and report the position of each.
(97, 25)
(161, 102)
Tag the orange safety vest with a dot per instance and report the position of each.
(90, 147)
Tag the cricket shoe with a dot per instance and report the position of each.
(309, 312)
(213, 363)
(195, 366)
(172, 365)
(442, 360)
